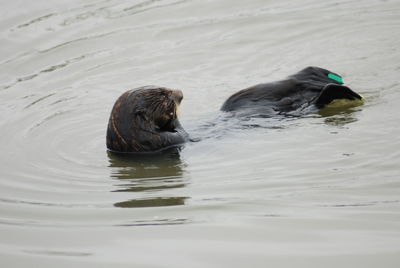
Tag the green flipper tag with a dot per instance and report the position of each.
(335, 77)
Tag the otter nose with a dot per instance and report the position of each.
(177, 96)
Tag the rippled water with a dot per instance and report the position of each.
(318, 191)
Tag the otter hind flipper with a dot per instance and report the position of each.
(332, 92)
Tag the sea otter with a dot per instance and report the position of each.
(312, 87)
(145, 119)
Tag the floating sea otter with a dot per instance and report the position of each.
(145, 119)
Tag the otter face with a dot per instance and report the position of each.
(145, 119)
(159, 106)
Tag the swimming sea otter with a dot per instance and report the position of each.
(145, 119)
(311, 87)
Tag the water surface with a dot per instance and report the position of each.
(317, 191)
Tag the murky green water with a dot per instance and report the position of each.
(318, 191)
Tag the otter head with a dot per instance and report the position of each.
(145, 120)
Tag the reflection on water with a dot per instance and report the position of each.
(341, 119)
(152, 173)
(339, 116)
(158, 222)
(153, 202)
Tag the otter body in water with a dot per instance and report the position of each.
(145, 119)
(313, 87)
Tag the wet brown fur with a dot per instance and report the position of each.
(145, 120)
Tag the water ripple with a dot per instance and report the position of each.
(256, 180)
(42, 18)
(53, 68)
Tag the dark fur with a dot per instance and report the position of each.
(145, 120)
(311, 86)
